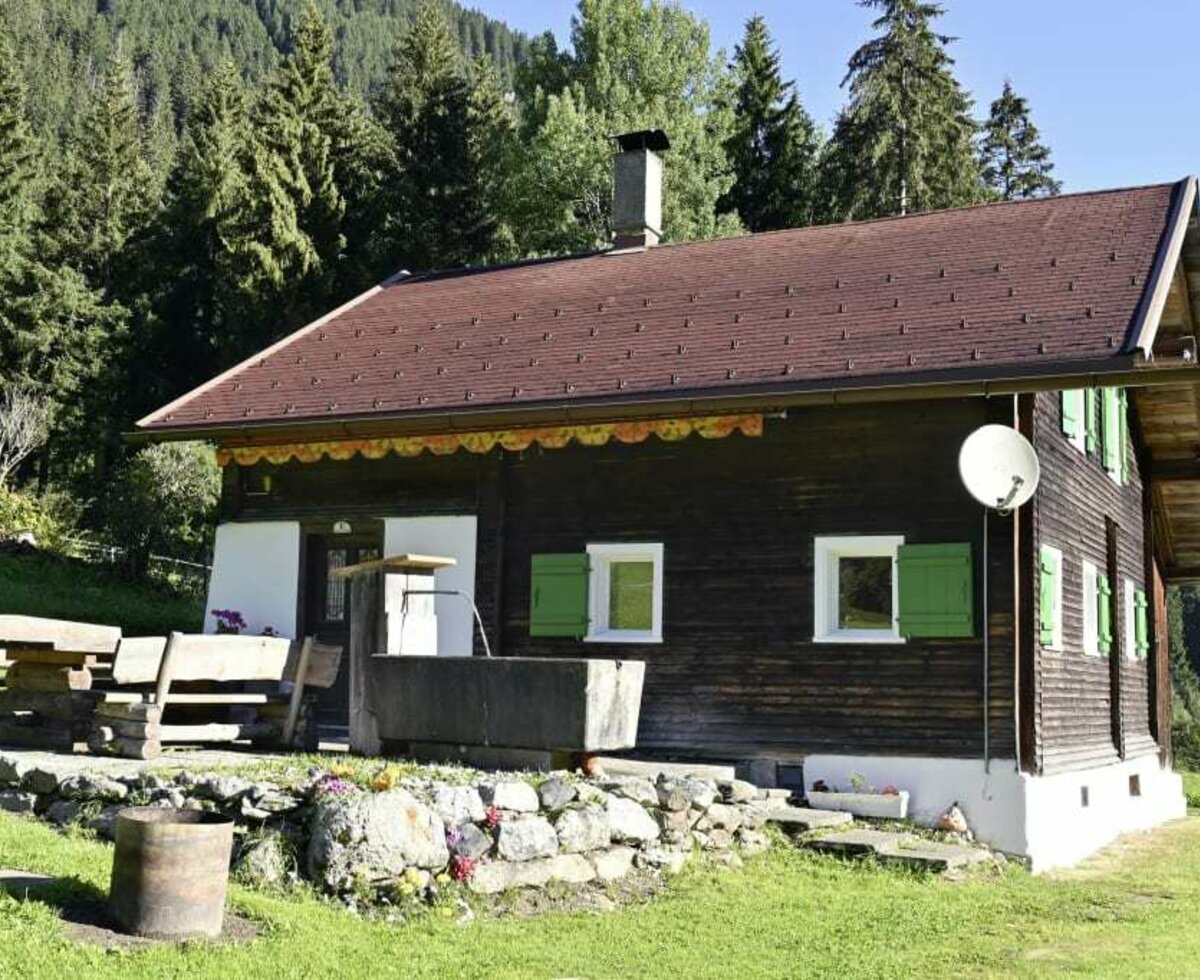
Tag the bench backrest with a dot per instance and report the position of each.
(222, 658)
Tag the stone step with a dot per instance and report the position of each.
(798, 818)
(898, 848)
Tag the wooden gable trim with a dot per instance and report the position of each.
(1150, 310)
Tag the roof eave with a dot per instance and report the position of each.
(1126, 370)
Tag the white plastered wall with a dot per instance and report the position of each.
(1039, 817)
(256, 571)
(449, 537)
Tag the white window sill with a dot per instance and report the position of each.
(859, 638)
(619, 636)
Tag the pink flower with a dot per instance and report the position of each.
(493, 818)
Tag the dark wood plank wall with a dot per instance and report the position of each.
(738, 674)
(1074, 704)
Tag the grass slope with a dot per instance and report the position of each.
(64, 588)
(1130, 912)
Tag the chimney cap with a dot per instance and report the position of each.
(644, 139)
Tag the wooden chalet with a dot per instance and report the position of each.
(736, 460)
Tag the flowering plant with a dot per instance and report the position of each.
(332, 785)
(453, 837)
(229, 620)
(269, 631)
(461, 867)
(492, 818)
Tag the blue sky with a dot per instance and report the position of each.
(1110, 84)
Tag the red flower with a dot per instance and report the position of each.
(492, 818)
(890, 790)
(461, 867)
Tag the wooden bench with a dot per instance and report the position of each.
(189, 675)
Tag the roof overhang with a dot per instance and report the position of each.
(1125, 370)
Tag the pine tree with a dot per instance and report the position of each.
(773, 147)
(1015, 162)
(438, 214)
(905, 141)
(492, 139)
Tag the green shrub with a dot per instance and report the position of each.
(51, 518)
(164, 500)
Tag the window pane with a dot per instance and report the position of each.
(865, 593)
(631, 595)
(335, 588)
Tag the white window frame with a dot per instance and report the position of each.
(1129, 624)
(827, 551)
(1056, 641)
(1091, 613)
(601, 558)
(1079, 440)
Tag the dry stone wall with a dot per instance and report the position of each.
(489, 832)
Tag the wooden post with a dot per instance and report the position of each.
(162, 686)
(293, 715)
(367, 637)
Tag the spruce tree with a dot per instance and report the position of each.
(905, 140)
(230, 239)
(1015, 161)
(438, 215)
(773, 147)
(301, 118)
(16, 158)
(106, 190)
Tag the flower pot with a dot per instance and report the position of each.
(876, 805)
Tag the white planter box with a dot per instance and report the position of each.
(892, 807)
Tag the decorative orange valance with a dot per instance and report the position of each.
(548, 437)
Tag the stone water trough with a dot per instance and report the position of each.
(563, 705)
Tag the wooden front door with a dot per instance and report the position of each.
(327, 610)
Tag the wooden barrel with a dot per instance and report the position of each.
(170, 871)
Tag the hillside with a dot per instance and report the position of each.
(64, 43)
(46, 584)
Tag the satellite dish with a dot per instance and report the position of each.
(999, 467)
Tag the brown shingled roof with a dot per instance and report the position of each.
(1014, 287)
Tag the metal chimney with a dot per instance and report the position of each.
(637, 189)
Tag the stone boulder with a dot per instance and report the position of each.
(16, 801)
(458, 804)
(630, 822)
(555, 794)
(525, 840)
(514, 795)
(685, 792)
(469, 841)
(87, 787)
(587, 829)
(376, 836)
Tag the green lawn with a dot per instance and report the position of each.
(65, 588)
(1131, 912)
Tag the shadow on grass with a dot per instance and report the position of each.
(82, 909)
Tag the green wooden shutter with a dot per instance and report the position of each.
(558, 595)
(1091, 423)
(1103, 613)
(1141, 632)
(1072, 424)
(1049, 565)
(1123, 448)
(936, 590)
(1111, 430)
